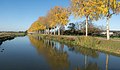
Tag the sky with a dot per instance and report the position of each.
(18, 15)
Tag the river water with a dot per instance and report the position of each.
(35, 53)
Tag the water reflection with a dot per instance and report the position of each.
(59, 55)
(87, 52)
(0, 42)
(35, 53)
(1, 49)
(107, 61)
(55, 57)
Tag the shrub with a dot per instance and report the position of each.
(87, 41)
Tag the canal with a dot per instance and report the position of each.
(34, 53)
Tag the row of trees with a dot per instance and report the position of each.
(55, 18)
(88, 9)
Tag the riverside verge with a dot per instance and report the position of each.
(96, 43)
(9, 35)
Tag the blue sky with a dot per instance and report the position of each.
(17, 15)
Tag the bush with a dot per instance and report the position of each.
(87, 41)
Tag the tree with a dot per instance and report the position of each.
(43, 22)
(92, 29)
(71, 26)
(46, 23)
(34, 27)
(37, 25)
(51, 19)
(112, 7)
(118, 7)
(90, 9)
(60, 16)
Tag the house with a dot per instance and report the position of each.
(112, 33)
(104, 33)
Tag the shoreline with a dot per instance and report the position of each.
(9, 36)
(94, 43)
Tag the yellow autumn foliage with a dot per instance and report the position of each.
(88, 8)
(59, 16)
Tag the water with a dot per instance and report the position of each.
(35, 53)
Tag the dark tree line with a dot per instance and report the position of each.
(79, 29)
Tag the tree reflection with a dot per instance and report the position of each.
(90, 66)
(57, 60)
(107, 61)
(57, 57)
(87, 52)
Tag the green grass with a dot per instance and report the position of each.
(110, 46)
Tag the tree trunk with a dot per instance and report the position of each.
(42, 32)
(51, 32)
(39, 31)
(45, 31)
(87, 26)
(59, 31)
(108, 35)
(48, 31)
(54, 30)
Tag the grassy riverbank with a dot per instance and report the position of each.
(8, 36)
(101, 44)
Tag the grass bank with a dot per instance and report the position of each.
(9, 36)
(112, 46)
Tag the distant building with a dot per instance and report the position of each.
(112, 33)
(104, 33)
